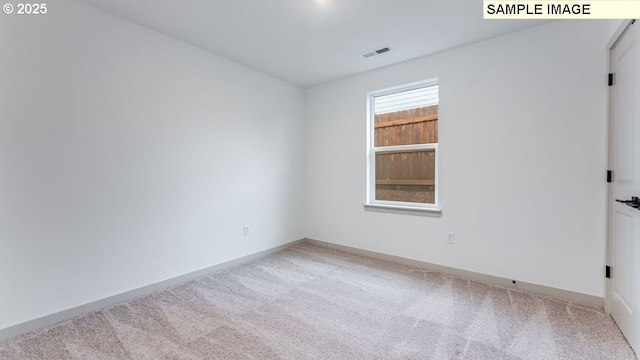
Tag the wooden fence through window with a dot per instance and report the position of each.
(407, 176)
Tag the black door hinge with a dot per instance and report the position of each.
(609, 176)
(610, 79)
(607, 272)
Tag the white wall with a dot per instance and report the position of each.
(127, 158)
(523, 145)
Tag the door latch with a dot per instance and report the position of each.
(634, 202)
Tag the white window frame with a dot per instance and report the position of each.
(371, 202)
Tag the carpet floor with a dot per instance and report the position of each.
(309, 302)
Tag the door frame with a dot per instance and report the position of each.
(613, 41)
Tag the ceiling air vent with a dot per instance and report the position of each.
(377, 52)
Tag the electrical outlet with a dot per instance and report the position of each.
(451, 238)
(247, 230)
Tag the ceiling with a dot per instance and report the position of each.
(309, 42)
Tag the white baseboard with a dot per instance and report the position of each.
(52, 319)
(572, 296)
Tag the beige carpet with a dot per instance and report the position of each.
(313, 303)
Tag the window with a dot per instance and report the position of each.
(403, 147)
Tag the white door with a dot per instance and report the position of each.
(623, 288)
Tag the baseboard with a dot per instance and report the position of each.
(572, 296)
(52, 319)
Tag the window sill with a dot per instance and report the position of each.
(411, 210)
